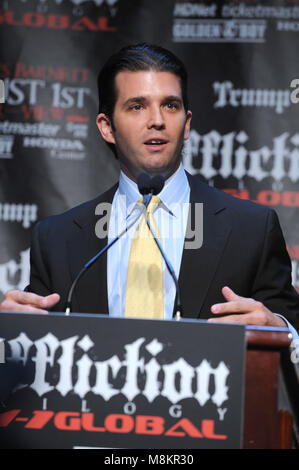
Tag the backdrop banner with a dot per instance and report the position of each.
(242, 57)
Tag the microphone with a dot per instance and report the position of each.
(149, 187)
(144, 183)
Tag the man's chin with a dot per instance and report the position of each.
(151, 168)
(164, 170)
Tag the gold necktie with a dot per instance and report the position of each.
(144, 293)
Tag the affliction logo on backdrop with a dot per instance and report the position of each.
(119, 374)
(15, 275)
(226, 155)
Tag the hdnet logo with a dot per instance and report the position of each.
(2, 92)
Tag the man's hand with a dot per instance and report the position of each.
(250, 311)
(19, 301)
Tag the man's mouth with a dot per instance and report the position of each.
(156, 143)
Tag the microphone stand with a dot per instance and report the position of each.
(90, 263)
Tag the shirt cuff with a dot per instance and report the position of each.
(289, 326)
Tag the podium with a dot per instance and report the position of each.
(94, 381)
(271, 390)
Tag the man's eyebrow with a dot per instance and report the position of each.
(134, 99)
(143, 99)
(173, 98)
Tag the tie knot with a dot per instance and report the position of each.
(154, 202)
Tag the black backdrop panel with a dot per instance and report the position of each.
(241, 57)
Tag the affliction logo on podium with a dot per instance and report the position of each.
(160, 379)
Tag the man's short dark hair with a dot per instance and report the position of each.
(138, 57)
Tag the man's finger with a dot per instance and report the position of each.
(248, 319)
(29, 298)
(236, 306)
(11, 306)
(229, 294)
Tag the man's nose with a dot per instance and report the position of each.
(156, 118)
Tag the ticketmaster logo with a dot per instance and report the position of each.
(2, 352)
(2, 92)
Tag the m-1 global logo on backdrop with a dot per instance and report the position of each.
(74, 15)
(80, 2)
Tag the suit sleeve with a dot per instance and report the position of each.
(273, 282)
(39, 277)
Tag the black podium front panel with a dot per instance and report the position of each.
(93, 381)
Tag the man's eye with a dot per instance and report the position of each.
(172, 106)
(136, 107)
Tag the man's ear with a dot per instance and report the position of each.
(187, 125)
(105, 128)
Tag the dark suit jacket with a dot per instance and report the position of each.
(243, 248)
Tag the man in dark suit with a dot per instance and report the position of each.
(242, 271)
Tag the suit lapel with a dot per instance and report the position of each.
(90, 294)
(199, 265)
